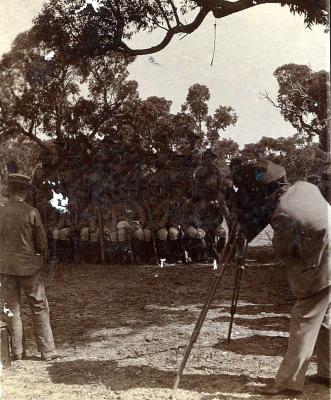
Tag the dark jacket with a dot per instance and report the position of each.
(23, 242)
(301, 238)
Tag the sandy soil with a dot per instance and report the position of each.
(122, 332)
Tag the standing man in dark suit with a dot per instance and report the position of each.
(23, 250)
(299, 216)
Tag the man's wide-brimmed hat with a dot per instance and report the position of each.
(256, 174)
(21, 179)
(273, 172)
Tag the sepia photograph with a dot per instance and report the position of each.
(165, 191)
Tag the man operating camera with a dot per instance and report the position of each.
(298, 214)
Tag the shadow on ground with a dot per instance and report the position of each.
(111, 375)
(255, 345)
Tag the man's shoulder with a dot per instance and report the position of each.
(302, 192)
(14, 204)
(303, 201)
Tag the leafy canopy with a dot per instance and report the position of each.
(303, 100)
(80, 28)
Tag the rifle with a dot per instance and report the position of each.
(102, 237)
(182, 248)
(130, 246)
(226, 256)
(152, 234)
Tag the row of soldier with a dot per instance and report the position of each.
(157, 227)
(152, 206)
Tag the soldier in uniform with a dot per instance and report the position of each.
(207, 179)
(210, 215)
(299, 218)
(23, 250)
(63, 228)
(89, 233)
(127, 221)
(141, 233)
(179, 190)
(62, 235)
(175, 232)
(195, 243)
(89, 224)
(159, 217)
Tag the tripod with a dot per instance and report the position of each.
(223, 263)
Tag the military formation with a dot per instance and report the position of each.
(127, 206)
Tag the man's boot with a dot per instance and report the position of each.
(162, 249)
(110, 251)
(198, 250)
(151, 257)
(175, 256)
(123, 253)
(210, 243)
(60, 250)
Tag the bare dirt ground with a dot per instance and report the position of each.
(122, 332)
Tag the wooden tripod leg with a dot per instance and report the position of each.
(230, 248)
(235, 297)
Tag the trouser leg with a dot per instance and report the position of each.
(162, 243)
(150, 252)
(109, 251)
(113, 246)
(323, 348)
(174, 251)
(33, 286)
(162, 249)
(306, 321)
(220, 243)
(11, 294)
(198, 250)
(210, 242)
(139, 250)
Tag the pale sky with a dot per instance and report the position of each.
(249, 47)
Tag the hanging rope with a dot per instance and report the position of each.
(212, 60)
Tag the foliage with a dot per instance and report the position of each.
(99, 131)
(207, 126)
(17, 155)
(303, 100)
(196, 104)
(44, 96)
(297, 156)
(81, 28)
(225, 149)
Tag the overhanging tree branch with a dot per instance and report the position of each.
(219, 8)
(189, 28)
(127, 17)
(31, 136)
